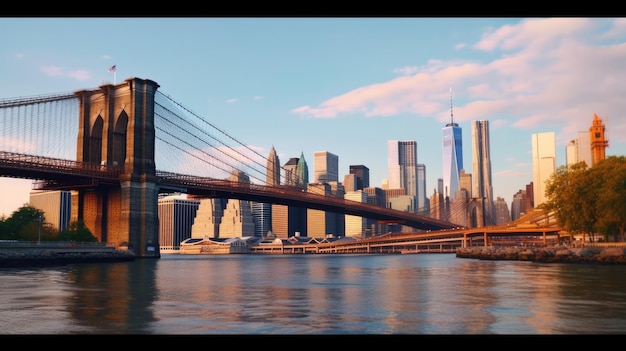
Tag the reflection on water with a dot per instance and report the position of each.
(314, 294)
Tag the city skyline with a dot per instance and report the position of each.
(346, 84)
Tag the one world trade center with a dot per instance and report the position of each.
(452, 155)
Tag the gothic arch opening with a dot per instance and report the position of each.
(119, 140)
(95, 141)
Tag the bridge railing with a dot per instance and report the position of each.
(294, 193)
(32, 162)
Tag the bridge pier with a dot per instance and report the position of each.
(116, 129)
(139, 215)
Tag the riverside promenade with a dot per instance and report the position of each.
(22, 254)
(606, 254)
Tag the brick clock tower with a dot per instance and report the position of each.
(598, 141)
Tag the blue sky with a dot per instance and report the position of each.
(345, 85)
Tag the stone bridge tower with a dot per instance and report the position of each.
(116, 129)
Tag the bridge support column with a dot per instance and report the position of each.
(93, 207)
(116, 129)
(139, 217)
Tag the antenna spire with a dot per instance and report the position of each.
(451, 114)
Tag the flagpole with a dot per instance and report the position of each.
(113, 69)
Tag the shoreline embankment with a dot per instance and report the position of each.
(547, 254)
(45, 257)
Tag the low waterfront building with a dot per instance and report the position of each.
(214, 246)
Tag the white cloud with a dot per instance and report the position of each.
(11, 144)
(405, 71)
(55, 71)
(618, 28)
(544, 73)
(79, 75)
(52, 71)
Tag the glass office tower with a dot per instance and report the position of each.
(302, 172)
(325, 167)
(402, 166)
(481, 174)
(56, 206)
(422, 201)
(452, 158)
(362, 176)
(544, 163)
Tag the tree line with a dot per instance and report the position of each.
(28, 224)
(589, 200)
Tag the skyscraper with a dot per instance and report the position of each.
(262, 217)
(273, 168)
(465, 183)
(481, 172)
(56, 206)
(290, 169)
(362, 176)
(287, 220)
(176, 218)
(598, 141)
(356, 226)
(208, 217)
(578, 150)
(350, 182)
(544, 163)
(262, 212)
(302, 172)
(452, 155)
(320, 223)
(237, 219)
(325, 167)
(502, 211)
(402, 166)
(422, 200)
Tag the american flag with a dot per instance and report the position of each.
(112, 69)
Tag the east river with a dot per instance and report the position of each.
(314, 294)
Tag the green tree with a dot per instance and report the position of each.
(22, 224)
(586, 211)
(573, 196)
(76, 231)
(558, 190)
(3, 229)
(612, 172)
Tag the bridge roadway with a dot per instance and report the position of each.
(441, 241)
(58, 174)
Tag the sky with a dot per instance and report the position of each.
(345, 85)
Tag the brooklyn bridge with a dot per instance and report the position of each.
(118, 147)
